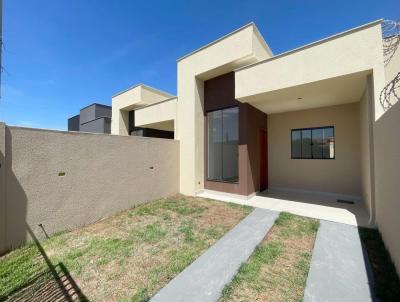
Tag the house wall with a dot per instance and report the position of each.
(365, 152)
(73, 123)
(366, 147)
(224, 55)
(340, 175)
(103, 111)
(357, 50)
(254, 121)
(99, 125)
(130, 99)
(387, 168)
(3, 203)
(219, 93)
(87, 114)
(387, 179)
(157, 113)
(104, 174)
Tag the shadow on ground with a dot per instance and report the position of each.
(382, 275)
(46, 281)
(52, 283)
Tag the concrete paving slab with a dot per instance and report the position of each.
(338, 271)
(207, 276)
(314, 205)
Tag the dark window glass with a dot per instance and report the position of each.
(230, 142)
(317, 143)
(313, 143)
(296, 143)
(306, 144)
(214, 145)
(223, 141)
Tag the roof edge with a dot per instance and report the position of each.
(312, 44)
(144, 86)
(215, 41)
(263, 42)
(97, 104)
(74, 116)
(163, 101)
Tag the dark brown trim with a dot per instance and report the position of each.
(219, 94)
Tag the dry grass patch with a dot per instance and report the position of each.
(130, 256)
(278, 268)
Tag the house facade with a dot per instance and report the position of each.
(248, 120)
(313, 119)
(142, 105)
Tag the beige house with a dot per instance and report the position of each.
(312, 119)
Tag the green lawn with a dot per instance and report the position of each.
(130, 256)
(278, 268)
(127, 257)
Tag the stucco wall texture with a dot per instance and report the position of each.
(387, 175)
(104, 174)
(387, 169)
(341, 175)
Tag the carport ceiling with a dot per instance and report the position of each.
(330, 92)
(165, 125)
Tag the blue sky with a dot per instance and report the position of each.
(61, 55)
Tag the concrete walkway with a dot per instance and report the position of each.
(207, 276)
(338, 269)
(314, 205)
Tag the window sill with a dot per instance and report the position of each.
(223, 181)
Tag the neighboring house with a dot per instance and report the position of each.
(94, 118)
(308, 120)
(144, 111)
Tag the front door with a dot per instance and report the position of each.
(263, 160)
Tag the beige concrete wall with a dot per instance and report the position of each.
(393, 66)
(130, 99)
(339, 176)
(387, 168)
(387, 179)
(3, 207)
(366, 149)
(104, 174)
(232, 51)
(351, 52)
(157, 114)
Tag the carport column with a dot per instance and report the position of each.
(2, 188)
(119, 121)
(370, 119)
(190, 130)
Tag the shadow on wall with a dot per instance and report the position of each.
(16, 208)
(48, 282)
(387, 174)
(390, 93)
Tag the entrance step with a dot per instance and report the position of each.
(207, 276)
